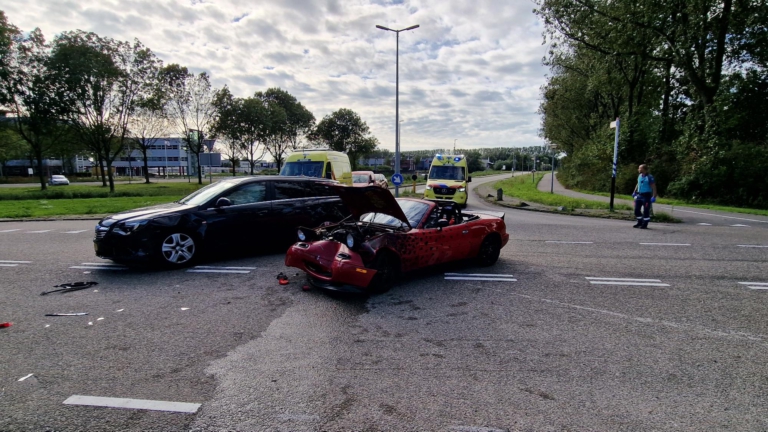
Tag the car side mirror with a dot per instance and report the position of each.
(469, 179)
(223, 202)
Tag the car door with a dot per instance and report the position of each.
(243, 225)
(290, 209)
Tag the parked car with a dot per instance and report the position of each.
(58, 180)
(233, 215)
(363, 178)
(381, 181)
(386, 236)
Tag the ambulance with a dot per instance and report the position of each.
(448, 178)
(319, 163)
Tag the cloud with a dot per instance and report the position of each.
(471, 71)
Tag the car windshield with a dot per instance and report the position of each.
(201, 196)
(414, 211)
(446, 173)
(361, 178)
(307, 169)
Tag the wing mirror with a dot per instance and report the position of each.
(469, 179)
(223, 202)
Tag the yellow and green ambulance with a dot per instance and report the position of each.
(448, 178)
(319, 163)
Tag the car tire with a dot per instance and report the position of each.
(178, 249)
(387, 271)
(489, 252)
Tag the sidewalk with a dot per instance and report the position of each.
(687, 214)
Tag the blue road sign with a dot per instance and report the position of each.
(397, 179)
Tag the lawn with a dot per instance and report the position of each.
(86, 206)
(522, 188)
(166, 189)
(488, 173)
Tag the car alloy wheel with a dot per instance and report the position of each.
(178, 249)
(489, 251)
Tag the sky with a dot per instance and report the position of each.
(471, 72)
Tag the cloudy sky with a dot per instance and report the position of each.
(471, 72)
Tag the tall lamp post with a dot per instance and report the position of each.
(397, 96)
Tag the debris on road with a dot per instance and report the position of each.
(25, 377)
(185, 308)
(306, 288)
(6, 324)
(67, 314)
(282, 279)
(68, 287)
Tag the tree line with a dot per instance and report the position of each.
(86, 94)
(688, 80)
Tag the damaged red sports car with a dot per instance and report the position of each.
(385, 236)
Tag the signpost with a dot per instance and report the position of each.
(397, 179)
(615, 124)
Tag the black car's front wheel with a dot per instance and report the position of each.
(178, 249)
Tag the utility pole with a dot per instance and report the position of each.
(616, 124)
(454, 147)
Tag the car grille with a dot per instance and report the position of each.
(445, 191)
(100, 232)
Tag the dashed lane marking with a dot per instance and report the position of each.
(10, 230)
(216, 269)
(665, 244)
(480, 277)
(74, 232)
(142, 404)
(626, 281)
(5, 263)
(739, 225)
(755, 285)
(99, 266)
(753, 246)
(704, 224)
(568, 242)
(37, 232)
(721, 216)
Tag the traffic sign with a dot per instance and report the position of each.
(397, 179)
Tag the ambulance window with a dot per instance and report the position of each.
(328, 171)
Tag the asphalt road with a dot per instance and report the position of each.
(550, 351)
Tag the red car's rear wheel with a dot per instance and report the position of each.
(489, 252)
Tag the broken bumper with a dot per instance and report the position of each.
(330, 265)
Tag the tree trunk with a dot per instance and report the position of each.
(199, 170)
(109, 175)
(146, 164)
(101, 168)
(40, 173)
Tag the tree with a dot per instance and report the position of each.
(190, 107)
(12, 146)
(244, 123)
(345, 131)
(289, 123)
(147, 126)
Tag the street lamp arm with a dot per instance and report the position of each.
(383, 28)
(411, 27)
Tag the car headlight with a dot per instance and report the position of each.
(350, 241)
(462, 189)
(126, 228)
(302, 236)
(428, 187)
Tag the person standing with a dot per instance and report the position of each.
(644, 194)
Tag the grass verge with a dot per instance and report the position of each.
(525, 190)
(488, 173)
(69, 207)
(174, 189)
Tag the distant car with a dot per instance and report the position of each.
(363, 178)
(381, 181)
(58, 180)
(233, 215)
(386, 236)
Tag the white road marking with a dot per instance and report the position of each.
(8, 265)
(755, 285)
(184, 308)
(104, 264)
(218, 271)
(74, 232)
(480, 277)
(753, 246)
(10, 230)
(567, 242)
(626, 281)
(98, 267)
(226, 268)
(15, 262)
(143, 404)
(665, 244)
(37, 232)
(740, 225)
(725, 217)
(704, 224)
(25, 377)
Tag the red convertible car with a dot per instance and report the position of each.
(384, 237)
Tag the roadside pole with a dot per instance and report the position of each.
(616, 124)
(552, 187)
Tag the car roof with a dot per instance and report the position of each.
(281, 178)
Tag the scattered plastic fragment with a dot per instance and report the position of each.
(90, 322)
(119, 310)
(67, 287)
(99, 319)
(305, 288)
(282, 279)
(184, 308)
(68, 314)
(95, 290)
(25, 377)
(6, 324)
(47, 325)
(87, 272)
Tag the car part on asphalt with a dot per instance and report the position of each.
(6, 324)
(282, 279)
(67, 314)
(69, 287)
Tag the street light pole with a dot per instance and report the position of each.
(397, 96)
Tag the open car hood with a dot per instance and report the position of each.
(370, 199)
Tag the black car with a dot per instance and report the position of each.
(237, 215)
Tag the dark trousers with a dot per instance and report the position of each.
(643, 207)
